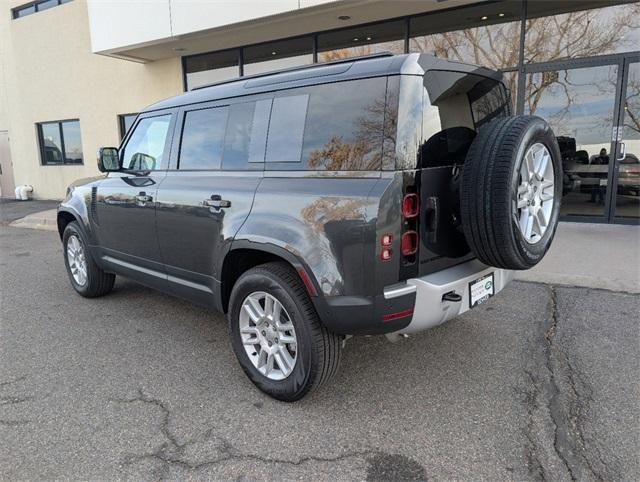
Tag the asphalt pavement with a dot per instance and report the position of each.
(541, 383)
(12, 209)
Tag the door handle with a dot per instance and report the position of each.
(432, 209)
(623, 152)
(144, 198)
(216, 201)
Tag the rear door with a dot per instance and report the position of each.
(216, 167)
(455, 106)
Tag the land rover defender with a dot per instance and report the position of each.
(379, 195)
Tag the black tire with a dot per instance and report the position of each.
(488, 192)
(318, 350)
(98, 283)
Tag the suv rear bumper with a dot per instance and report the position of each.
(430, 309)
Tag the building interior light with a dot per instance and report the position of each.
(355, 39)
(501, 15)
(273, 53)
(484, 17)
(368, 38)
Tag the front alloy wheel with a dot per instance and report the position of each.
(77, 260)
(86, 277)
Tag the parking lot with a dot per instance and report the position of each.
(540, 383)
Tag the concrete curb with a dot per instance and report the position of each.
(44, 220)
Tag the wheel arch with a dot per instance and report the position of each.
(66, 216)
(245, 255)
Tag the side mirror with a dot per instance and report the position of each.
(108, 159)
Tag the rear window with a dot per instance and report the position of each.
(333, 127)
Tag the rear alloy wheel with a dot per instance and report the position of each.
(268, 335)
(276, 334)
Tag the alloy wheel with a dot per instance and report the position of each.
(535, 193)
(268, 335)
(77, 260)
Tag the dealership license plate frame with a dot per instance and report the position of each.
(485, 293)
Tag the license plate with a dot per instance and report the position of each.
(481, 290)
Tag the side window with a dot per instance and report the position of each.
(246, 135)
(286, 129)
(203, 138)
(489, 99)
(145, 149)
(343, 127)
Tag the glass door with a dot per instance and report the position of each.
(579, 100)
(626, 201)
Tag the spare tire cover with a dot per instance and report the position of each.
(510, 192)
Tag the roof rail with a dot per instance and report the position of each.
(299, 67)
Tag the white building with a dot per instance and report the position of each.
(75, 72)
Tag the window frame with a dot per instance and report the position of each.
(121, 127)
(168, 150)
(40, 137)
(15, 11)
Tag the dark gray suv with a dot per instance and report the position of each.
(380, 195)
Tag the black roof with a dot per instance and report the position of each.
(377, 65)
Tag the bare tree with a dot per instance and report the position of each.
(632, 106)
(571, 35)
(396, 47)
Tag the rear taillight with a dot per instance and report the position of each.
(386, 253)
(409, 238)
(410, 205)
(409, 243)
(410, 210)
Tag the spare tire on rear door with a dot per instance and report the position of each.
(510, 192)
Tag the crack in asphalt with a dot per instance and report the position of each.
(172, 452)
(567, 408)
(14, 423)
(14, 400)
(15, 380)
(533, 460)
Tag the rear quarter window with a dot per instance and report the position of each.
(458, 99)
(334, 127)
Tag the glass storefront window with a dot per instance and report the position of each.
(487, 35)
(583, 33)
(510, 80)
(278, 55)
(213, 67)
(356, 42)
(579, 106)
(628, 193)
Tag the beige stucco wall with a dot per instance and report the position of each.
(49, 73)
